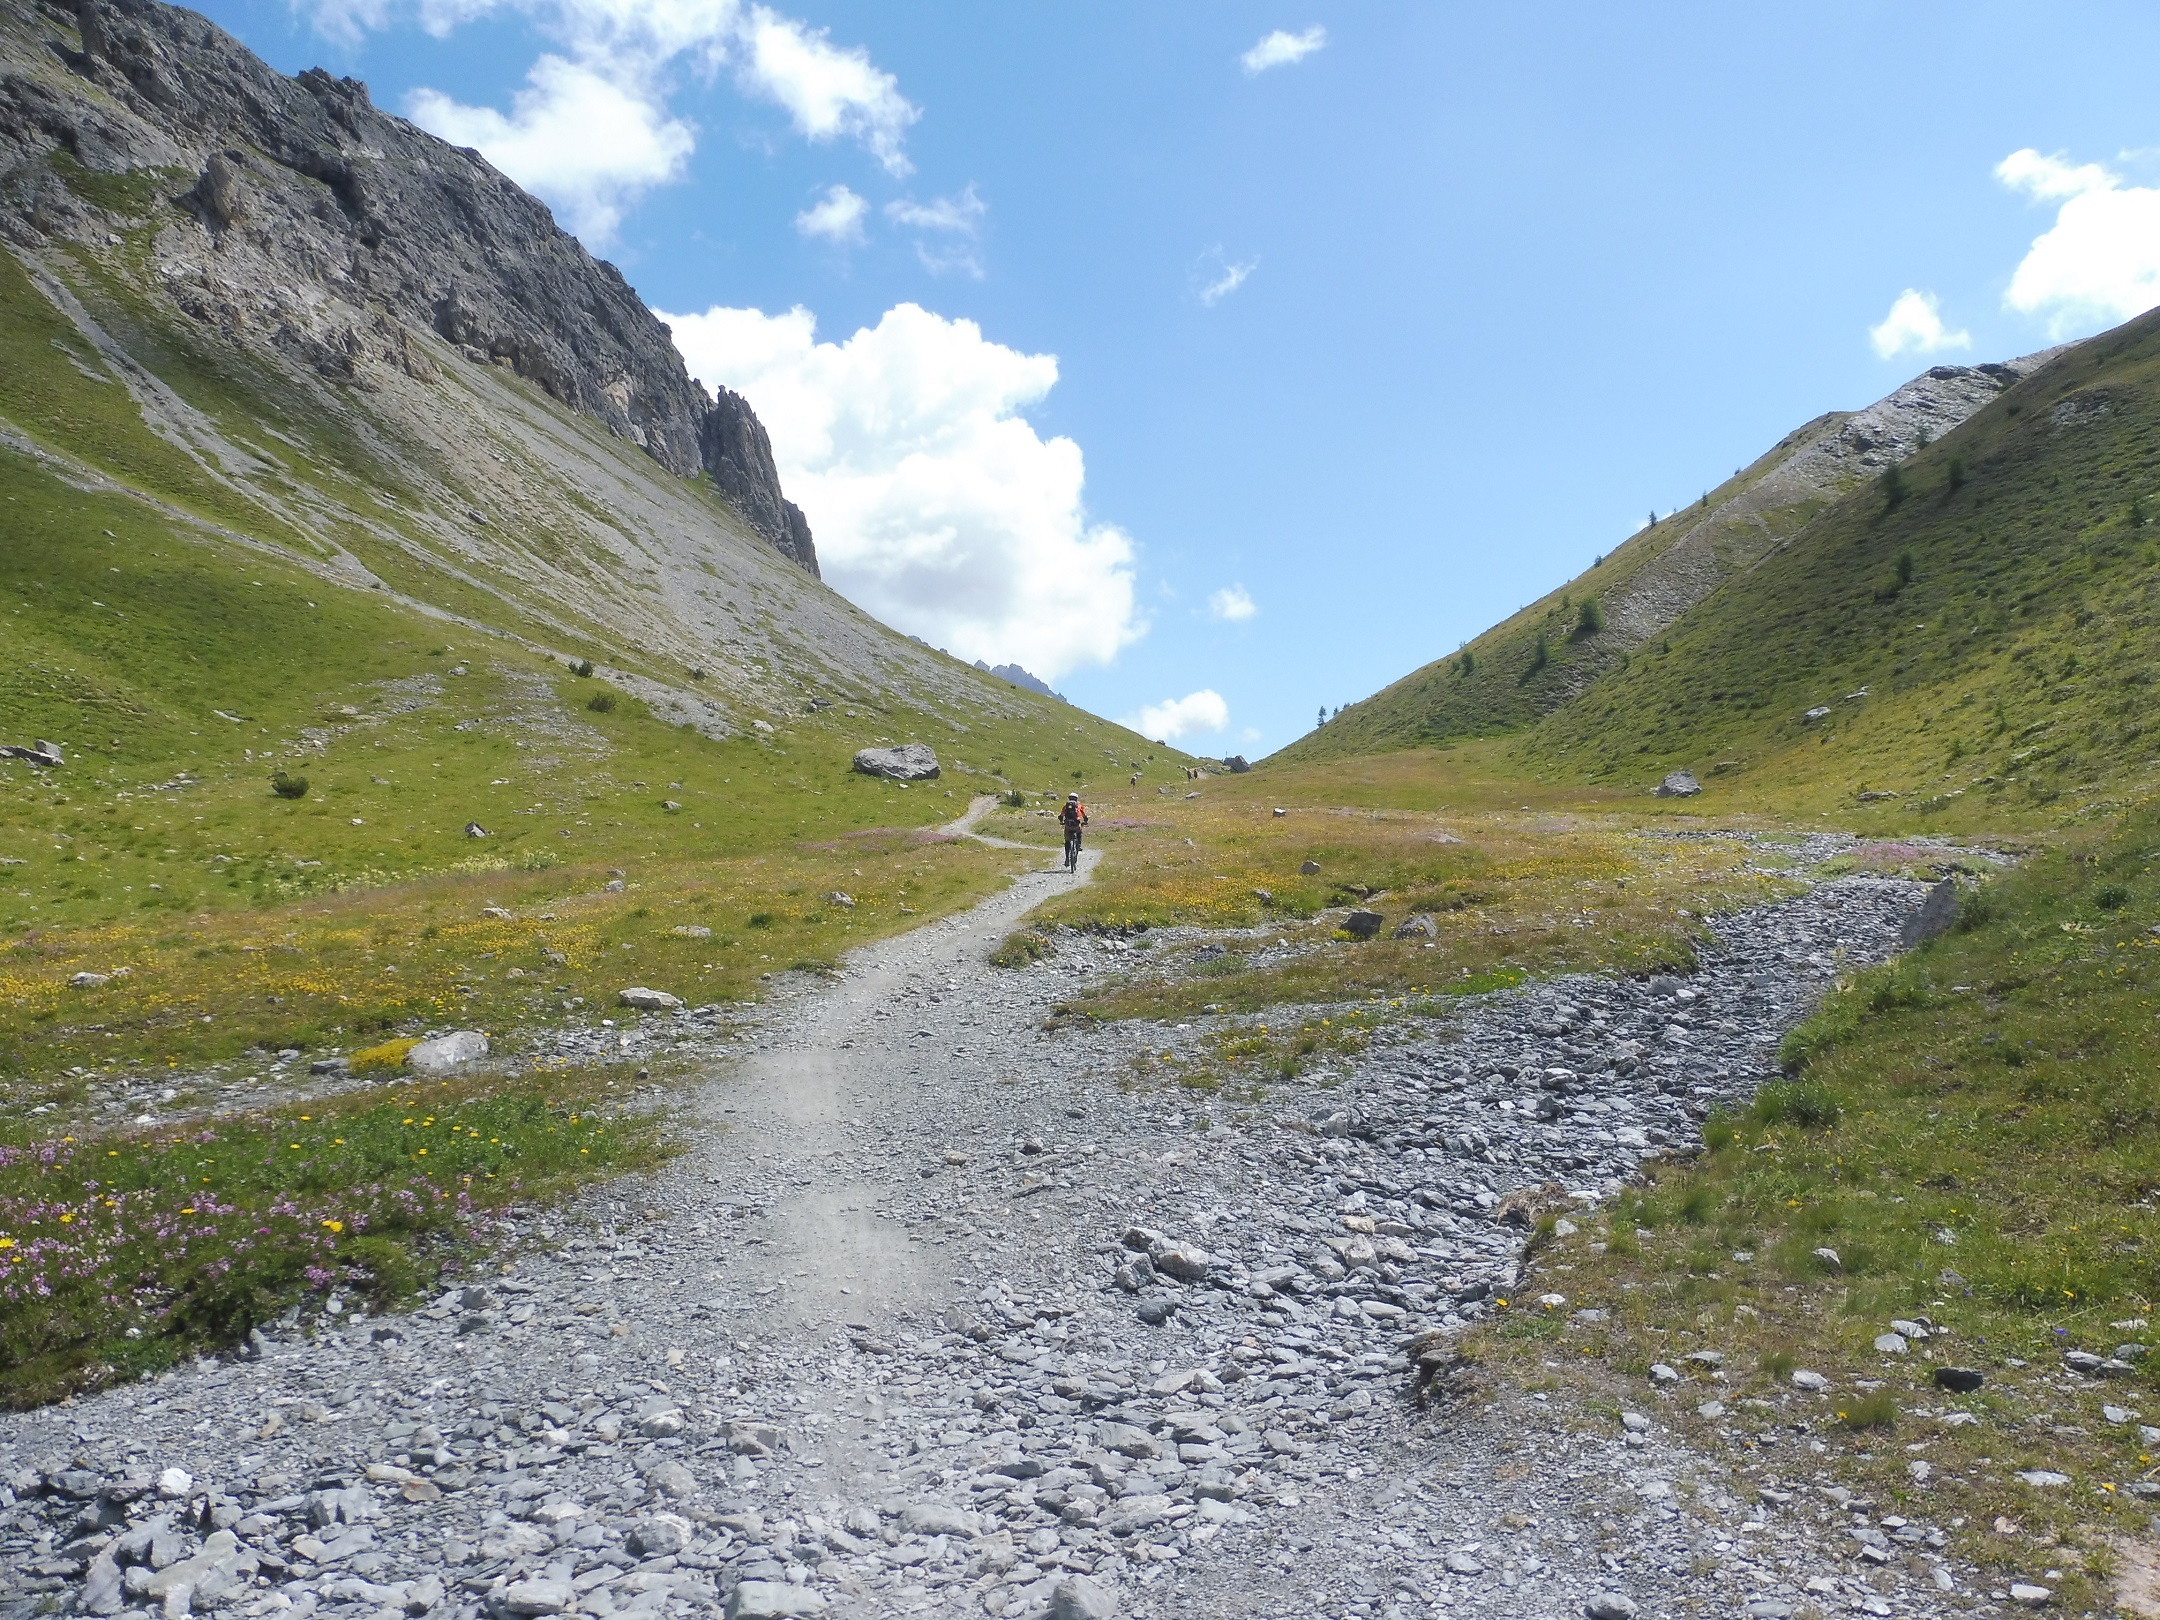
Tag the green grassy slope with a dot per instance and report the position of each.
(1537, 659)
(215, 565)
(1996, 601)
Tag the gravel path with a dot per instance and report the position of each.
(945, 1312)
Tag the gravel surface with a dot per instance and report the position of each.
(944, 1313)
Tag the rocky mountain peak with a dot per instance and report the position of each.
(334, 230)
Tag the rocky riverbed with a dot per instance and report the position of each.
(944, 1312)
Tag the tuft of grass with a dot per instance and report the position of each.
(1020, 949)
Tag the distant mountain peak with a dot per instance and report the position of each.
(1021, 678)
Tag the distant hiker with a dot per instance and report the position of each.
(1074, 816)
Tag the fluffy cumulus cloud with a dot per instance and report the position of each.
(835, 217)
(1196, 714)
(1232, 605)
(2100, 261)
(830, 91)
(1282, 49)
(1915, 326)
(936, 504)
(573, 136)
(591, 130)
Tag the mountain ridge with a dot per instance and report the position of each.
(1537, 660)
(340, 233)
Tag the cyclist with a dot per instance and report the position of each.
(1074, 816)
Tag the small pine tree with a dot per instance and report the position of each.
(1893, 488)
(1323, 716)
(582, 667)
(1590, 618)
(1466, 665)
(286, 786)
(1956, 478)
(1540, 655)
(1653, 517)
(1706, 500)
(1904, 568)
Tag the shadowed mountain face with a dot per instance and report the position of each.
(338, 234)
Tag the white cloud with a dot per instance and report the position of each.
(1195, 714)
(837, 216)
(829, 90)
(947, 228)
(573, 137)
(1281, 49)
(1914, 326)
(599, 154)
(1224, 280)
(935, 503)
(2100, 262)
(1232, 605)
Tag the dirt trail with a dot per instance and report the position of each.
(820, 1084)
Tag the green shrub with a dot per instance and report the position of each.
(1877, 1409)
(288, 786)
(2112, 897)
(582, 667)
(761, 919)
(1014, 799)
(1540, 656)
(1590, 618)
(601, 703)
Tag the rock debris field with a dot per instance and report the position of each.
(939, 1315)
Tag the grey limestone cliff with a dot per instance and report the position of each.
(334, 230)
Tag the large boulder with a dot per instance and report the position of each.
(447, 1052)
(1362, 924)
(645, 999)
(1679, 785)
(910, 762)
(1932, 916)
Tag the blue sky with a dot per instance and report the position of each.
(1223, 361)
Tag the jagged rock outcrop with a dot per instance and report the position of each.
(337, 231)
(738, 455)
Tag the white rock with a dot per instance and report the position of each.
(2043, 1478)
(1891, 1344)
(645, 1000)
(447, 1052)
(175, 1483)
(910, 762)
(1079, 1597)
(772, 1600)
(537, 1597)
(2033, 1597)
(1813, 1382)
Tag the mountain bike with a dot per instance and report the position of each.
(1072, 849)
